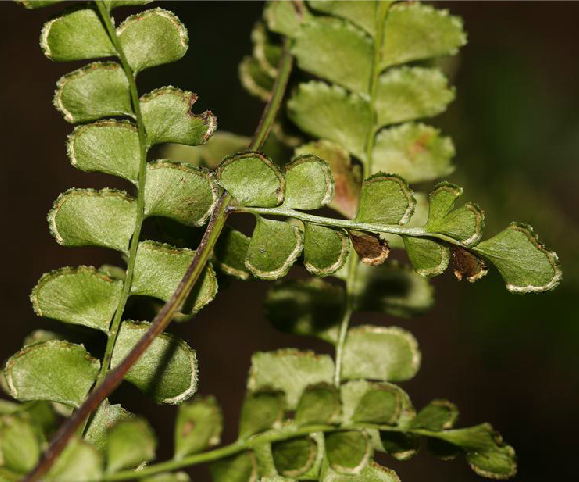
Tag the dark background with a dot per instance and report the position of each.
(510, 360)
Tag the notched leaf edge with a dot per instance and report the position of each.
(190, 98)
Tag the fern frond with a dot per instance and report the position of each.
(118, 129)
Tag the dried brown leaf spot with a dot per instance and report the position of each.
(467, 265)
(370, 248)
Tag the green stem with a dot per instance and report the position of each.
(380, 24)
(348, 311)
(222, 452)
(248, 444)
(353, 261)
(141, 181)
(275, 100)
(164, 317)
(348, 224)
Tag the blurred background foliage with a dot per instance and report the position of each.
(507, 359)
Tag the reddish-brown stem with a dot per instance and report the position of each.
(164, 317)
(116, 376)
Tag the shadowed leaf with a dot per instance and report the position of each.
(306, 307)
(129, 443)
(428, 256)
(290, 371)
(237, 468)
(264, 460)
(377, 353)
(255, 79)
(381, 404)
(265, 49)
(102, 421)
(385, 199)
(262, 409)
(391, 289)
(79, 462)
(190, 204)
(252, 179)
(308, 183)
(230, 253)
(319, 404)
(273, 249)
(294, 457)
(199, 425)
(55, 370)
(353, 392)
(19, 443)
(400, 445)
(167, 371)
(325, 249)
(220, 145)
(464, 224)
(437, 415)
(159, 269)
(347, 178)
(484, 449)
(348, 452)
